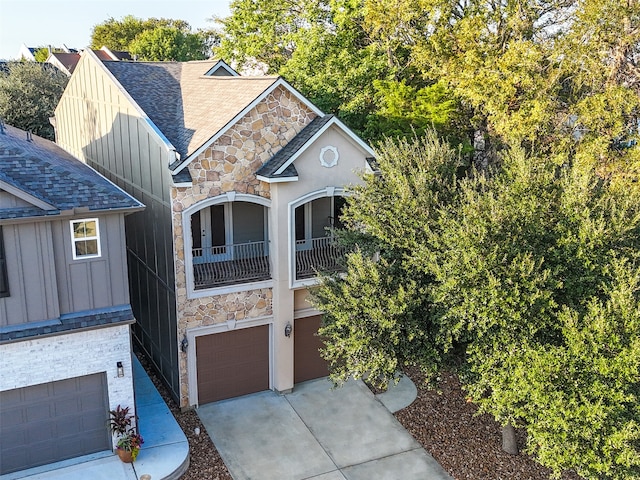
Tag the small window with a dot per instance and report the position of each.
(85, 238)
(4, 279)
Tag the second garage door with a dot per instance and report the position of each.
(306, 344)
(233, 363)
(53, 421)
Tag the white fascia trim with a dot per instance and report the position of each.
(279, 82)
(27, 197)
(355, 138)
(147, 121)
(221, 64)
(277, 180)
(306, 312)
(334, 121)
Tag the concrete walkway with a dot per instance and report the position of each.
(316, 432)
(164, 455)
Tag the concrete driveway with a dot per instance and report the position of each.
(315, 433)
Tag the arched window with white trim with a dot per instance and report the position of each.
(229, 241)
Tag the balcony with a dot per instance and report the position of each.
(230, 264)
(318, 254)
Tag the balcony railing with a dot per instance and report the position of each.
(318, 254)
(230, 264)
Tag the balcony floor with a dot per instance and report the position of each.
(230, 272)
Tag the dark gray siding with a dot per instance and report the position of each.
(98, 123)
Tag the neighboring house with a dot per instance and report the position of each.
(28, 53)
(65, 342)
(241, 177)
(66, 62)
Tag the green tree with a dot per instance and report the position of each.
(486, 273)
(29, 93)
(154, 39)
(167, 43)
(323, 49)
(118, 34)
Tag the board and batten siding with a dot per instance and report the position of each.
(33, 293)
(98, 123)
(92, 283)
(46, 282)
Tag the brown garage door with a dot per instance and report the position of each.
(233, 363)
(306, 344)
(53, 421)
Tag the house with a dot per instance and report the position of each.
(65, 316)
(29, 53)
(241, 177)
(66, 61)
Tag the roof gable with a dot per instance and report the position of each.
(280, 167)
(185, 104)
(42, 174)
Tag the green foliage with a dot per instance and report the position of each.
(167, 43)
(29, 93)
(524, 277)
(324, 49)
(153, 39)
(377, 316)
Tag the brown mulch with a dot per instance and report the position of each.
(467, 446)
(204, 462)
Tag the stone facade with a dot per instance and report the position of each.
(229, 165)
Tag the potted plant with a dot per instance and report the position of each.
(129, 441)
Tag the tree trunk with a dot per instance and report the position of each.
(509, 442)
(480, 159)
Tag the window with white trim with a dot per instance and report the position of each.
(85, 238)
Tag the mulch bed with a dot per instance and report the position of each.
(468, 446)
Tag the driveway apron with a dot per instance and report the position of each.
(315, 432)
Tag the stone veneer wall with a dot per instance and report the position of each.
(230, 165)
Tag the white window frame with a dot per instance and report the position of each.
(74, 240)
(228, 197)
(304, 200)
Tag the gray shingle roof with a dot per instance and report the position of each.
(268, 170)
(188, 107)
(46, 172)
(66, 323)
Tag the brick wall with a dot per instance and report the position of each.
(59, 357)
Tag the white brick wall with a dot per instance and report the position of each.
(42, 360)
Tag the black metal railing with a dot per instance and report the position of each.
(318, 254)
(230, 264)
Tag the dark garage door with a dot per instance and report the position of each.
(308, 363)
(233, 363)
(53, 421)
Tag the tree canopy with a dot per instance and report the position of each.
(558, 75)
(153, 39)
(523, 278)
(29, 93)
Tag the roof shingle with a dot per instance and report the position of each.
(269, 169)
(188, 107)
(46, 172)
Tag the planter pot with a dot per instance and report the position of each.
(125, 455)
